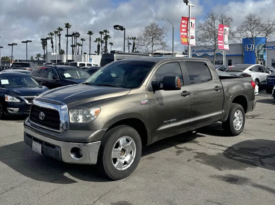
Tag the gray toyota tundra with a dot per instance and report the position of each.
(133, 103)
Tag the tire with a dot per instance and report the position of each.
(268, 90)
(2, 114)
(117, 159)
(236, 113)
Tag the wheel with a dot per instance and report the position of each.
(236, 120)
(120, 152)
(258, 83)
(268, 90)
(2, 114)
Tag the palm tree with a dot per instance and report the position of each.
(62, 52)
(51, 34)
(78, 45)
(106, 37)
(134, 43)
(55, 34)
(59, 29)
(82, 40)
(38, 56)
(101, 34)
(44, 44)
(90, 33)
(76, 35)
(67, 26)
(98, 41)
(111, 45)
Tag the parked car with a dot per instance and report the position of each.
(133, 103)
(17, 92)
(271, 69)
(80, 64)
(16, 71)
(270, 83)
(57, 76)
(23, 66)
(221, 68)
(257, 72)
(92, 70)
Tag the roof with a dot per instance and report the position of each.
(12, 74)
(159, 59)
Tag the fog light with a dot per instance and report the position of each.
(76, 153)
(12, 110)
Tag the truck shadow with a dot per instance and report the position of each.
(267, 101)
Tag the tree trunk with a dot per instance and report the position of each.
(67, 45)
(98, 49)
(133, 48)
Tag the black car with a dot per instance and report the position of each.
(23, 66)
(92, 70)
(17, 91)
(57, 76)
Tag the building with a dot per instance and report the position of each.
(240, 52)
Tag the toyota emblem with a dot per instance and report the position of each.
(42, 115)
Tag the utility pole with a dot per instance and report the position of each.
(26, 42)
(189, 27)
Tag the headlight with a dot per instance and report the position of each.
(83, 115)
(9, 98)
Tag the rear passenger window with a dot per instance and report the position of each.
(43, 72)
(169, 69)
(198, 72)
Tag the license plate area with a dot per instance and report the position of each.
(37, 147)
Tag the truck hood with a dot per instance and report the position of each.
(80, 94)
(28, 91)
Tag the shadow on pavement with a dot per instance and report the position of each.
(267, 101)
(254, 153)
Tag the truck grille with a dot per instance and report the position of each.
(51, 117)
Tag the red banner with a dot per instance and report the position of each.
(223, 33)
(184, 30)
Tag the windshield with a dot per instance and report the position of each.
(72, 73)
(16, 65)
(17, 82)
(125, 74)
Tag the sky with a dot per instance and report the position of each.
(34, 19)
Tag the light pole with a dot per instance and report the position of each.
(0, 56)
(12, 44)
(26, 42)
(165, 19)
(121, 28)
(189, 26)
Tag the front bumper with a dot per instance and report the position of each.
(61, 150)
(21, 108)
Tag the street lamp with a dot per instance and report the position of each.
(0, 56)
(121, 28)
(189, 26)
(165, 19)
(12, 44)
(26, 42)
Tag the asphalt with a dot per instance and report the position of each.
(206, 167)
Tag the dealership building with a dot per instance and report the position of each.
(241, 53)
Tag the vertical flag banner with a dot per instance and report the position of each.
(184, 30)
(223, 33)
(193, 32)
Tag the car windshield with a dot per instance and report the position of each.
(72, 73)
(16, 81)
(16, 65)
(125, 74)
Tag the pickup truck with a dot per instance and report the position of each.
(133, 103)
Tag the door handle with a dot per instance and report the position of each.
(185, 93)
(217, 88)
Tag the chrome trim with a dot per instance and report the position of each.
(63, 115)
(26, 100)
(89, 150)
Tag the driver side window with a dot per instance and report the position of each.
(52, 75)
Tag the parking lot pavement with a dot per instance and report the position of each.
(205, 167)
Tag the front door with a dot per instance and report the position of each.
(169, 110)
(206, 94)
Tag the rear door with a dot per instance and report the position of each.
(53, 80)
(206, 94)
(42, 76)
(169, 110)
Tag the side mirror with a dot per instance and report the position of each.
(155, 85)
(171, 83)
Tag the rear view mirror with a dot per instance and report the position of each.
(155, 85)
(171, 83)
